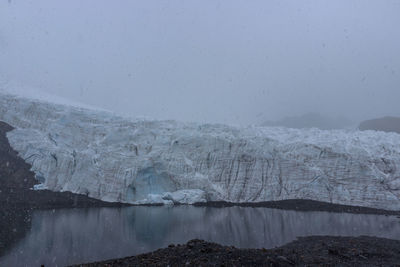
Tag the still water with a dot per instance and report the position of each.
(68, 236)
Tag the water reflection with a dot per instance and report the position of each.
(60, 237)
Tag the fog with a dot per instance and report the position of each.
(235, 62)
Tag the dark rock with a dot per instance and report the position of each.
(302, 205)
(306, 251)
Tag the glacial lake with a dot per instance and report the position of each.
(69, 236)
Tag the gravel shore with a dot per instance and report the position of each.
(303, 205)
(305, 251)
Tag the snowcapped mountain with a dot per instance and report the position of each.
(114, 158)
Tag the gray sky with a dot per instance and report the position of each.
(236, 62)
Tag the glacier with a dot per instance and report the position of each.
(144, 161)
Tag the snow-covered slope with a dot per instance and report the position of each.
(143, 161)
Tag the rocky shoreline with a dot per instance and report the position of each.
(303, 205)
(305, 251)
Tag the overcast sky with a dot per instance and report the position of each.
(236, 62)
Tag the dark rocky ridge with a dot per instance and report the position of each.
(306, 251)
(386, 124)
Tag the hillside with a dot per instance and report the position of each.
(385, 124)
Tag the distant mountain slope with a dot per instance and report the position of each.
(311, 120)
(385, 124)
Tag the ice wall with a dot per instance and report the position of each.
(146, 161)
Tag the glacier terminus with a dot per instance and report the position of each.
(143, 161)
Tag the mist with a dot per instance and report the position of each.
(234, 62)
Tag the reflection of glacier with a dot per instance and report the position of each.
(74, 236)
(138, 161)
